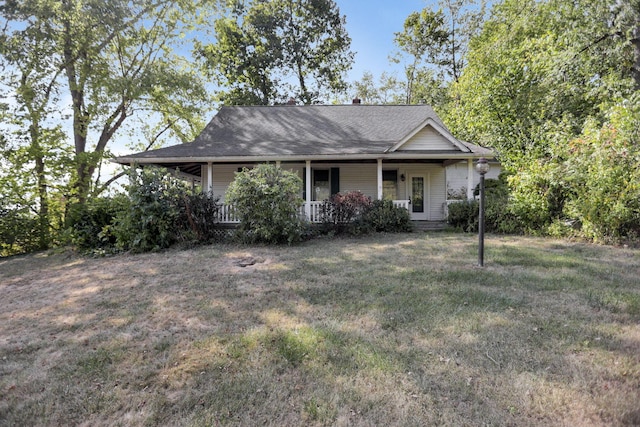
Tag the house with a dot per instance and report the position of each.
(400, 152)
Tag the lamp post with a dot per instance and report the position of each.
(482, 167)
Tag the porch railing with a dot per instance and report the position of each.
(226, 213)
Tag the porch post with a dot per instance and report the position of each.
(379, 179)
(277, 163)
(210, 177)
(307, 204)
(469, 179)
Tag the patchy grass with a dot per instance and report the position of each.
(382, 330)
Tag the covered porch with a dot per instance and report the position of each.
(418, 186)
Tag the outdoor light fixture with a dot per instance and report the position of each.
(482, 167)
(402, 177)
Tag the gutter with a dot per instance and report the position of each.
(287, 158)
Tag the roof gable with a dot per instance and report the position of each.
(431, 136)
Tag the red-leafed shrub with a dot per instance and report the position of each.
(342, 209)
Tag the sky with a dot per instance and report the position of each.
(371, 24)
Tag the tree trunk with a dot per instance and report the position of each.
(44, 225)
(635, 41)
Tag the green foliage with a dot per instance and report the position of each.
(267, 200)
(158, 211)
(354, 213)
(199, 216)
(541, 76)
(148, 223)
(383, 216)
(535, 195)
(499, 214)
(424, 34)
(90, 223)
(161, 211)
(19, 231)
(603, 170)
(387, 90)
(265, 46)
(463, 215)
(110, 61)
(536, 69)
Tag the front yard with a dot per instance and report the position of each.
(383, 330)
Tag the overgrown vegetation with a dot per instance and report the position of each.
(19, 231)
(383, 216)
(499, 217)
(158, 211)
(355, 213)
(267, 202)
(379, 330)
(552, 86)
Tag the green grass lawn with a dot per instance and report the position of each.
(398, 330)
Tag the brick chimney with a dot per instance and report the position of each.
(356, 101)
(291, 101)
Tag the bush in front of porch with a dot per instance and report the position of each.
(355, 213)
(266, 200)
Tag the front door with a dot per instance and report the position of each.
(418, 192)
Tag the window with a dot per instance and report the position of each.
(390, 185)
(324, 183)
(321, 184)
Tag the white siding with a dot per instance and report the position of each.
(436, 188)
(457, 177)
(428, 139)
(364, 178)
(223, 175)
(457, 180)
(438, 193)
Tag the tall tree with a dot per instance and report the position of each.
(111, 59)
(387, 90)
(436, 43)
(423, 37)
(541, 76)
(539, 68)
(626, 22)
(463, 20)
(270, 50)
(75, 72)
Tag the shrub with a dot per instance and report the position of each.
(19, 231)
(90, 223)
(267, 202)
(499, 217)
(463, 215)
(383, 216)
(341, 211)
(603, 169)
(150, 220)
(199, 215)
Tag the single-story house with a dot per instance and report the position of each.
(401, 152)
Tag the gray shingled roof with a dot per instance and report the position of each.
(301, 130)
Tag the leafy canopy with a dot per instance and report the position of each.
(270, 50)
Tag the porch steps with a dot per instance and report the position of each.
(429, 225)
